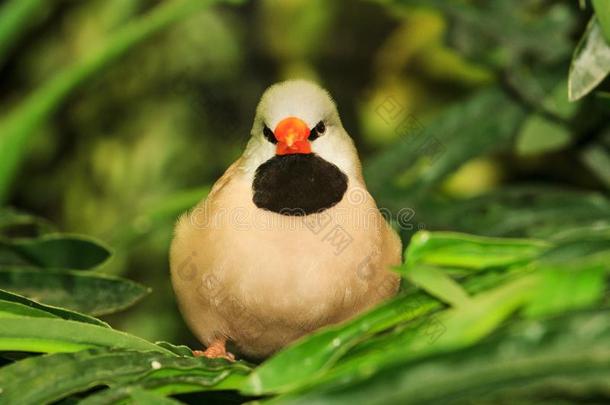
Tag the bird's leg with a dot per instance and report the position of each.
(215, 349)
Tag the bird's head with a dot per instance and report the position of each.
(299, 117)
(299, 155)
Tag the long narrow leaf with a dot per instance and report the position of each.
(59, 250)
(55, 311)
(45, 335)
(471, 252)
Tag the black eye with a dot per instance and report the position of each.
(317, 131)
(269, 134)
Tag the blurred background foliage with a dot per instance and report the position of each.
(459, 110)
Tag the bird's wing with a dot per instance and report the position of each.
(224, 179)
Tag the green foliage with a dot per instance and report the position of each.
(21, 123)
(459, 318)
(57, 251)
(53, 377)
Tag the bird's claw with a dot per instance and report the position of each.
(215, 352)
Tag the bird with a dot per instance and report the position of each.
(288, 240)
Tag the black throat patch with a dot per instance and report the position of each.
(298, 185)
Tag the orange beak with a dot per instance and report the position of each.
(291, 134)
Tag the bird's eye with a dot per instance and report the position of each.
(317, 131)
(269, 134)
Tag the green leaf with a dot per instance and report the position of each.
(590, 63)
(59, 250)
(45, 335)
(45, 379)
(91, 293)
(469, 324)
(529, 361)
(567, 289)
(469, 251)
(52, 311)
(437, 283)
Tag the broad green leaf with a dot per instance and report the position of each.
(53, 311)
(437, 283)
(59, 250)
(528, 360)
(90, 293)
(590, 63)
(540, 134)
(565, 289)
(45, 335)
(45, 379)
(469, 251)
(602, 12)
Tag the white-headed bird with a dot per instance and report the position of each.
(288, 239)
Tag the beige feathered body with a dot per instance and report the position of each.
(261, 279)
